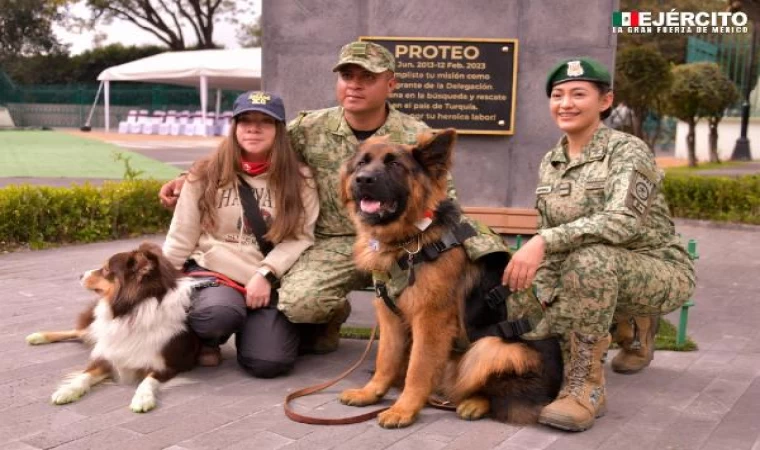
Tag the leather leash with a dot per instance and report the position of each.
(296, 417)
(433, 401)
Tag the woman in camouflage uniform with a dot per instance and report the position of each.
(606, 251)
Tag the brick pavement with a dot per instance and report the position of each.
(705, 399)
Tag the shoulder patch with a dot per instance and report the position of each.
(641, 191)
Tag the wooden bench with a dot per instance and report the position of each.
(521, 221)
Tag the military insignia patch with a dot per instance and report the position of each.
(359, 48)
(543, 189)
(565, 189)
(259, 98)
(640, 193)
(574, 69)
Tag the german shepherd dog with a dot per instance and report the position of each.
(388, 188)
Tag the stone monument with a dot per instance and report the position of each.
(301, 41)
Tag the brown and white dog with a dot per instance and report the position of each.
(138, 327)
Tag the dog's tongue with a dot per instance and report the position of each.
(369, 206)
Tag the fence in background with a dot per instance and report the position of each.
(68, 105)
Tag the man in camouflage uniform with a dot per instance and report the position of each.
(314, 290)
(609, 254)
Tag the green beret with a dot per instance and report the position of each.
(585, 69)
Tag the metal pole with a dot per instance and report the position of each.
(741, 149)
(107, 104)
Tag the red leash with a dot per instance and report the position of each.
(221, 279)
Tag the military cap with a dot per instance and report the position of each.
(264, 102)
(585, 69)
(371, 56)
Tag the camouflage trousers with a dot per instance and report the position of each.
(317, 284)
(581, 291)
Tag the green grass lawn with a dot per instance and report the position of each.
(55, 154)
(685, 170)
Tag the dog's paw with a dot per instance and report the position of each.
(143, 401)
(358, 397)
(397, 417)
(68, 392)
(473, 408)
(36, 339)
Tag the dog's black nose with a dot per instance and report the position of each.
(365, 178)
(81, 275)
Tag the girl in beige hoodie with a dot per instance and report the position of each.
(209, 232)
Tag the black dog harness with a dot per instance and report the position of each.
(495, 298)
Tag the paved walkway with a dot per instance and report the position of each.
(706, 399)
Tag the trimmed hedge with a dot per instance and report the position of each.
(39, 215)
(714, 198)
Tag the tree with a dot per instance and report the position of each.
(750, 7)
(722, 95)
(168, 19)
(60, 68)
(249, 34)
(26, 28)
(672, 46)
(692, 97)
(642, 77)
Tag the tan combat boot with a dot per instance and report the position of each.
(635, 335)
(582, 398)
(324, 338)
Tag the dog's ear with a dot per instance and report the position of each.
(434, 150)
(346, 169)
(150, 247)
(142, 263)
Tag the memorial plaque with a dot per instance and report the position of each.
(467, 84)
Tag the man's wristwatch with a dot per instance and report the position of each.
(269, 276)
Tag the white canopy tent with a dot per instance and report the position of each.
(219, 69)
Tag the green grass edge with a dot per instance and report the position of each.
(665, 340)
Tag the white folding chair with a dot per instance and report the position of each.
(206, 128)
(171, 119)
(196, 119)
(136, 126)
(151, 126)
(131, 118)
(223, 123)
(179, 126)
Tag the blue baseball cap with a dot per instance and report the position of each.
(264, 102)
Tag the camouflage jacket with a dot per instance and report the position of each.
(324, 140)
(610, 194)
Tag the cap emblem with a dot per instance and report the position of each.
(574, 69)
(259, 98)
(359, 48)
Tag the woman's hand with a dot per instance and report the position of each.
(257, 291)
(521, 270)
(169, 193)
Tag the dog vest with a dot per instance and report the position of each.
(485, 308)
